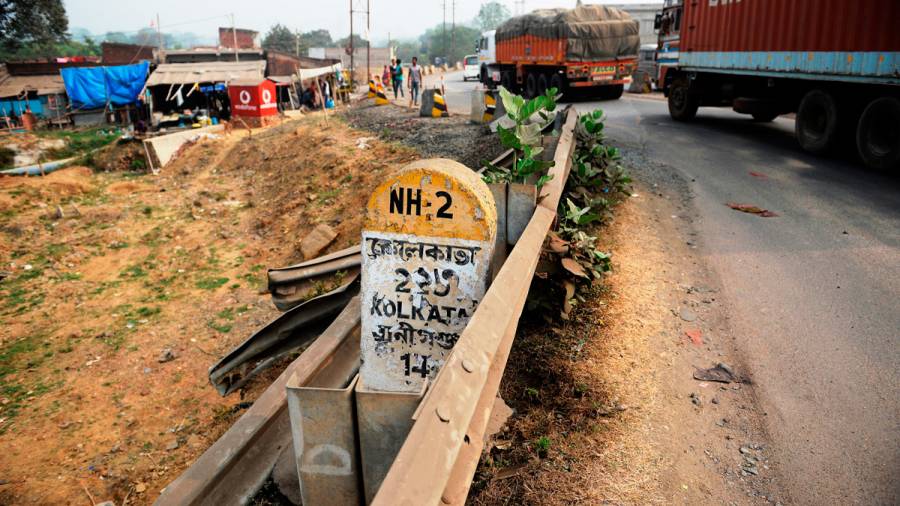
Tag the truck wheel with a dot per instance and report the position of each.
(817, 122)
(558, 82)
(508, 81)
(683, 104)
(878, 134)
(542, 84)
(614, 92)
(531, 85)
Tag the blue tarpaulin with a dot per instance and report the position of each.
(94, 87)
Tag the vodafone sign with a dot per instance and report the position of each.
(253, 99)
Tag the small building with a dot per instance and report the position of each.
(254, 101)
(42, 95)
(116, 53)
(212, 54)
(246, 39)
(645, 15)
(378, 57)
(176, 87)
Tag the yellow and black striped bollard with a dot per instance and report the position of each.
(439, 109)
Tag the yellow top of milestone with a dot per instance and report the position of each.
(436, 198)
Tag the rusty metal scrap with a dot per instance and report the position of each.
(289, 332)
(290, 285)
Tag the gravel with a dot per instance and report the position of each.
(452, 137)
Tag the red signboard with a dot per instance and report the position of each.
(253, 99)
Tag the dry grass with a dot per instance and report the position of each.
(584, 390)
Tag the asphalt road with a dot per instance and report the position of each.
(813, 295)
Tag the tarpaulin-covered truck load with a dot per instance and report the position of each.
(836, 64)
(588, 46)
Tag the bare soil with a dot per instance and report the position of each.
(604, 412)
(104, 271)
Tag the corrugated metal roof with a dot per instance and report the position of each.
(14, 86)
(207, 72)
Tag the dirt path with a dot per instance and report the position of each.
(608, 411)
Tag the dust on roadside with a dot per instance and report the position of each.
(604, 412)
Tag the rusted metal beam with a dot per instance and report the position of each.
(290, 285)
(235, 467)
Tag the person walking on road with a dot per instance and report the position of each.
(386, 75)
(398, 79)
(415, 81)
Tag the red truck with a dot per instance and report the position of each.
(836, 64)
(589, 47)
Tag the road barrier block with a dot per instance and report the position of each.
(380, 97)
(372, 92)
(439, 110)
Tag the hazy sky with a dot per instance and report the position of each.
(400, 18)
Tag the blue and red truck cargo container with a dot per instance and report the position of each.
(834, 63)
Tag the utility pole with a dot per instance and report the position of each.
(444, 30)
(368, 42)
(297, 42)
(234, 36)
(352, 69)
(159, 40)
(452, 29)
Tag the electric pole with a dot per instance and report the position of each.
(159, 41)
(444, 30)
(452, 29)
(352, 69)
(234, 36)
(368, 43)
(297, 41)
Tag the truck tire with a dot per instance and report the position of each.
(542, 84)
(614, 92)
(683, 104)
(817, 122)
(878, 134)
(558, 82)
(508, 81)
(530, 85)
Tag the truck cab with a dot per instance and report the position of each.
(487, 57)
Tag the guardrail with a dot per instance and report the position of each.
(436, 463)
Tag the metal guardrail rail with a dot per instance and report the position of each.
(438, 460)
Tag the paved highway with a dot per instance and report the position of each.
(813, 295)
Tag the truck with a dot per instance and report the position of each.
(832, 63)
(591, 47)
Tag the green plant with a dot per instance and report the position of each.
(524, 138)
(211, 283)
(542, 446)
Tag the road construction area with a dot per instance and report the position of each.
(741, 347)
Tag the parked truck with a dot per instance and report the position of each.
(836, 64)
(590, 47)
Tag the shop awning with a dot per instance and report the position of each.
(207, 72)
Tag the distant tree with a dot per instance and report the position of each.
(280, 38)
(491, 14)
(116, 37)
(315, 38)
(406, 49)
(452, 46)
(358, 41)
(32, 23)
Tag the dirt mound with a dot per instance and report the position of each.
(124, 155)
(61, 183)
